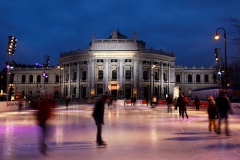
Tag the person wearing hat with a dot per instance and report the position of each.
(212, 114)
(223, 107)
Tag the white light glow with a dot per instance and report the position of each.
(113, 54)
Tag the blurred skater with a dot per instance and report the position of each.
(223, 107)
(212, 114)
(182, 104)
(197, 103)
(169, 101)
(43, 114)
(147, 100)
(67, 99)
(20, 104)
(98, 115)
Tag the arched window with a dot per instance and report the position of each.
(145, 75)
(178, 78)
(128, 74)
(38, 79)
(23, 78)
(84, 75)
(206, 78)
(198, 78)
(31, 79)
(190, 78)
(57, 78)
(114, 74)
(100, 74)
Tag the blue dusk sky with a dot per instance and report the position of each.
(49, 27)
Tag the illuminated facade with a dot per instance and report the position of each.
(119, 66)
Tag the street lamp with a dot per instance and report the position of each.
(12, 41)
(60, 80)
(217, 36)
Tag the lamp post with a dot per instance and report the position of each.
(217, 36)
(12, 43)
(60, 80)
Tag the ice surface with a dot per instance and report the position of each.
(139, 132)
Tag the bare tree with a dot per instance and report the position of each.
(234, 67)
(235, 31)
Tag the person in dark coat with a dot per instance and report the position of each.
(212, 114)
(197, 103)
(98, 115)
(223, 107)
(147, 100)
(67, 99)
(182, 104)
(169, 101)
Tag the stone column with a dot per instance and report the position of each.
(169, 78)
(63, 81)
(140, 78)
(92, 78)
(161, 89)
(69, 80)
(78, 81)
(135, 75)
(121, 73)
(88, 92)
(106, 74)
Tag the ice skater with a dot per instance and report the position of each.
(182, 104)
(67, 99)
(212, 114)
(43, 114)
(223, 107)
(197, 103)
(169, 101)
(98, 115)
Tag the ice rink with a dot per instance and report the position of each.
(131, 133)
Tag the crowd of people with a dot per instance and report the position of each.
(218, 110)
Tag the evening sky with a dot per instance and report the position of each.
(49, 27)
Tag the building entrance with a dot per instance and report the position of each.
(127, 91)
(114, 90)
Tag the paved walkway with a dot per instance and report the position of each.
(141, 133)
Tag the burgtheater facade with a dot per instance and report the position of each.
(119, 66)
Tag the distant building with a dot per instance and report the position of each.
(119, 66)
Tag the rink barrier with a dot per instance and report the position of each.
(10, 106)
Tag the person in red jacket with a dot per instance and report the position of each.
(43, 114)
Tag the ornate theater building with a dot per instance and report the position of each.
(119, 66)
